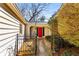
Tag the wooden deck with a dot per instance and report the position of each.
(27, 49)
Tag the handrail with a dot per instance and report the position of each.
(30, 49)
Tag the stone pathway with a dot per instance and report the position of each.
(41, 49)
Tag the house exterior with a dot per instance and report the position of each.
(41, 29)
(11, 24)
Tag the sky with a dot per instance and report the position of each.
(51, 9)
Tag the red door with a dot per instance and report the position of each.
(39, 31)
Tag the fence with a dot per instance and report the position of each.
(21, 47)
(25, 47)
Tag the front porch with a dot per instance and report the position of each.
(39, 29)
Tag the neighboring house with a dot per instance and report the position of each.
(41, 28)
(11, 24)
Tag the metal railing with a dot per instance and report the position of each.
(25, 47)
(22, 46)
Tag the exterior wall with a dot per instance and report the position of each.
(28, 30)
(9, 28)
(23, 28)
(45, 25)
(32, 31)
(47, 31)
(21, 35)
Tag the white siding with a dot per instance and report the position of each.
(9, 27)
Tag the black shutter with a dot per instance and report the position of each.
(37, 31)
(43, 31)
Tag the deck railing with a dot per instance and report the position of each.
(25, 47)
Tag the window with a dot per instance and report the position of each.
(21, 28)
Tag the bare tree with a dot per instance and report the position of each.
(33, 10)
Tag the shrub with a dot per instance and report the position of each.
(67, 53)
(48, 38)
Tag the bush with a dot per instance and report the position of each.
(48, 38)
(67, 53)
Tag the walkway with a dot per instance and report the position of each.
(42, 51)
(25, 50)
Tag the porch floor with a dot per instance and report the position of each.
(26, 49)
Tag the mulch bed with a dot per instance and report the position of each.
(74, 50)
(67, 52)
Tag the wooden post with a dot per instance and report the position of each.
(35, 42)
